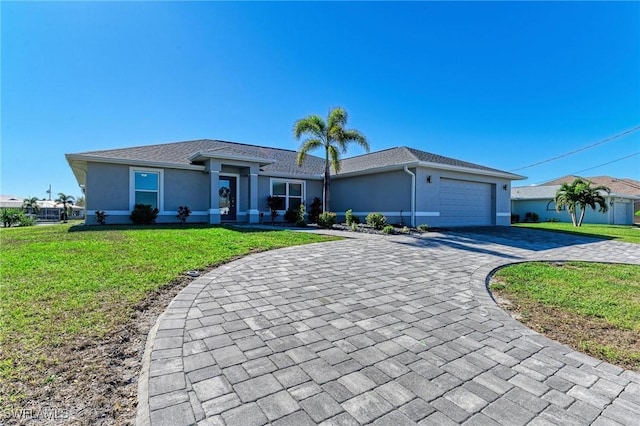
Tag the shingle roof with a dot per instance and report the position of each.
(284, 161)
(618, 186)
(404, 155)
(280, 160)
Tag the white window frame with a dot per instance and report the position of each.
(132, 185)
(286, 196)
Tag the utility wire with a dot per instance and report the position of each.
(602, 142)
(599, 165)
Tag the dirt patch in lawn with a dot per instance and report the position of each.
(590, 335)
(94, 382)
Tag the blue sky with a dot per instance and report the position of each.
(503, 84)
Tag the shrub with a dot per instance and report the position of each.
(354, 227)
(554, 219)
(350, 218)
(291, 216)
(274, 203)
(26, 220)
(515, 218)
(376, 220)
(101, 217)
(183, 213)
(388, 229)
(315, 209)
(10, 217)
(300, 219)
(531, 217)
(327, 220)
(423, 227)
(144, 214)
(405, 230)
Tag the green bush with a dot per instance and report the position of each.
(388, 229)
(144, 214)
(26, 220)
(291, 216)
(350, 218)
(327, 220)
(405, 230)
(274, 204)
(531, 217)
(354, 227)
(314, 210)
(376, 220)
(12, 217)
(101, 217)
(423, 227)
(300, 222)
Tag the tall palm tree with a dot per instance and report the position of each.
(64, 199)
(580, 194)
(31, 204)
(330, 135)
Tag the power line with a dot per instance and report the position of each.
(609, 162)
(595, 167)
(602, 142)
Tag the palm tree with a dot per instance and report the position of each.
(580, 194)
(31, 204)
(64, 199)
(330, 135)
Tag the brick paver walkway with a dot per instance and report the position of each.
(388, 330)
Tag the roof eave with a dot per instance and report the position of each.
(199, 156)
(494, 173)
(132, 162)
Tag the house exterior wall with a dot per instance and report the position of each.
(108, 190)
(387, 193)
(545, 209)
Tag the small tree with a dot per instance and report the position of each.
(331, 136)
(64, 199)
(580, 194)
(30, 205)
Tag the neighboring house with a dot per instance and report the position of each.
(616, 185)
(540, 200)
(49, 210)
(229, 182)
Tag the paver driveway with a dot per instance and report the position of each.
(388, 330)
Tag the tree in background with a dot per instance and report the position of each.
(65, 199)
(30, 205)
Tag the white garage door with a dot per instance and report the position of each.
(464, 203)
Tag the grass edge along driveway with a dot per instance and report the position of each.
(626, 233)
(60, 287)
(592, 307)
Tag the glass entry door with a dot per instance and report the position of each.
(227, 198)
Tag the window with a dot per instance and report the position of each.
(551, 206)
(146, 186)
(290, 193)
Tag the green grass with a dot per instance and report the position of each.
(609, 293)
(630, 234)
(59, 286)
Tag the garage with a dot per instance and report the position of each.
(620, 212)
(465, 203)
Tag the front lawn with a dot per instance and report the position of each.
(630, 234)
(61, 287)
(592, 307)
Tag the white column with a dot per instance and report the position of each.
(253, 212)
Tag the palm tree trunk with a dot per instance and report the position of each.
(582, 211)
(326, 190)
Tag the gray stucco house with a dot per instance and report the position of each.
(229, 182)
(540, 200)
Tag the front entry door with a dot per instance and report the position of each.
(227, 198)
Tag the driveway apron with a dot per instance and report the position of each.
(384, 330)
